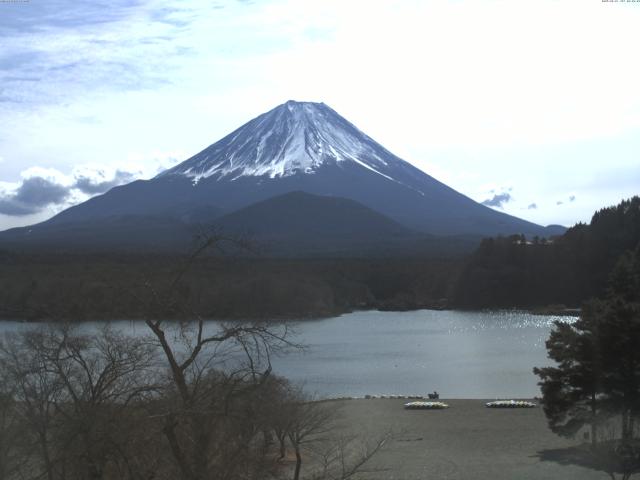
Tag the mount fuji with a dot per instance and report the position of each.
(296, 147)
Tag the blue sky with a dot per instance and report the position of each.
(531, 107)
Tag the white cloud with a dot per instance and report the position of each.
(6, 187)
(468, 73)
(149, 164)
(539, 94)
(50, 174)
(48, 190)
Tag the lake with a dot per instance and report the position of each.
(459, 354)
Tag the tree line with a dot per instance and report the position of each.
(185, 399)
(56, 287)
(595, 383)
(514, 271)
(503, 272)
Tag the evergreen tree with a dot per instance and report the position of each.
(598, 360)
(620, 342)
(571, 390)
(565, 270)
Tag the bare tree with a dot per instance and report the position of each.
(211, 366)
(309, 422)
(75, 397)
(345, 456)
(313, 429)
(193, 400)
(12, 458)
(35, 392)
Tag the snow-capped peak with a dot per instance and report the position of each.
(293, 138)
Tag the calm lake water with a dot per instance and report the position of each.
(459, 354)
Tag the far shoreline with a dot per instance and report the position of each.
(542, 311)
(425, 398)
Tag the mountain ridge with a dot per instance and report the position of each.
(298, 146)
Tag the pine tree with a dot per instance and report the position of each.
(620, 343)
(598, 360)
(571, 390)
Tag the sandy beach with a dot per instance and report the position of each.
(466, 441)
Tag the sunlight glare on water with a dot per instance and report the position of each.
(487, 354)
(459, 354)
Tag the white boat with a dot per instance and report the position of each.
(511, 404)
(425, 405)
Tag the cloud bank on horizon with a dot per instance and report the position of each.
(40, 189)
(538, 96)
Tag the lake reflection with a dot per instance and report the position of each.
(459, 354)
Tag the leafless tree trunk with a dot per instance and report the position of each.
(11, 437)
(209, 369)
(344, 457)
(36, 391)
(594, 416)
(309, 422)
(194, 400)
(75, 395)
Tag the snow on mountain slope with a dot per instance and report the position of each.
(306, 147)
(293, 138)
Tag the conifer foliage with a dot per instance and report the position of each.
(596, 381)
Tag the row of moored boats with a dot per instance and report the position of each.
(421, 405)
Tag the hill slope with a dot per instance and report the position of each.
(506, 272)
(296, 147)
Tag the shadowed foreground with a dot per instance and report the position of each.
(466, 441)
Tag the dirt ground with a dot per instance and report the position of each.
(466, 441)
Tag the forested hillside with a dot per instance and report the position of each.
(504, 272)
(514, 272)
(83, 287)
